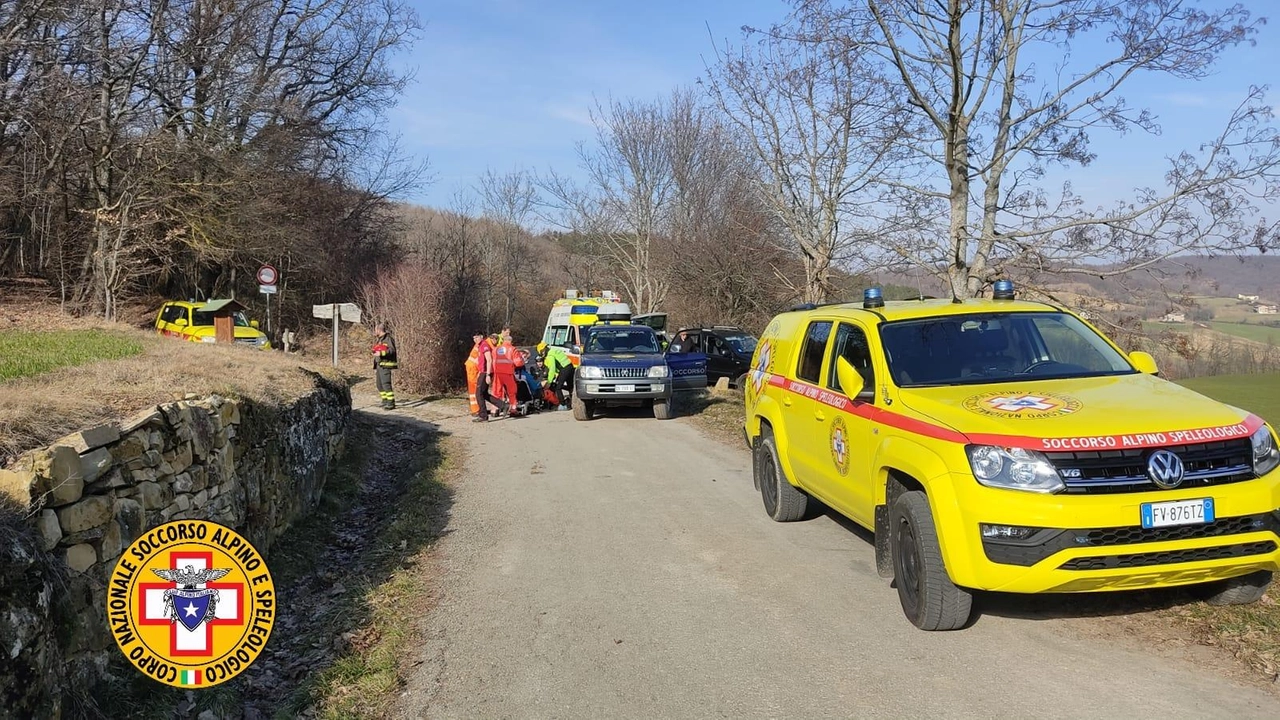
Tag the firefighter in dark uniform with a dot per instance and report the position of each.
(384, 360)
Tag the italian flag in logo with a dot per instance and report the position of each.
(189, 677)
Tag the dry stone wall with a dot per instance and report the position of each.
(84, 499)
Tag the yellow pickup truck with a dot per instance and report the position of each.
(1005, 445)
(191, 321)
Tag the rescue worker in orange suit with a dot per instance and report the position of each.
(384, 361)
(473, 374)
(485, 380)
(504, 369)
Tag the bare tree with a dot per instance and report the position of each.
(999, 115)
(629, 184)
(509, 200)
(823, 125)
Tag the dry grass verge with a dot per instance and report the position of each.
(372, 624)
(35, 411)
(718, 412)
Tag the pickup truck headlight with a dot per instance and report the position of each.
(659, 371)
(1013, 469)
(209, 339)
(592, 372)
(1265, 455)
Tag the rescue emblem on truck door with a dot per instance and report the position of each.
(840, 445)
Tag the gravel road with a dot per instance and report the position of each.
(624, 568)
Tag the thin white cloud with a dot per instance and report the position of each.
(576, 114)
(1185, 99)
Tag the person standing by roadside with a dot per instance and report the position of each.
(384, 361)
(504, 370)
(473, 374)
(484, 379)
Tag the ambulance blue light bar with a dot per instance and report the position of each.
(1003, 290)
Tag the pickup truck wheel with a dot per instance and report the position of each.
(740, 382)
(662, 409)
(782, 501)
(929, 599)
(1242, 590)
(582, 409)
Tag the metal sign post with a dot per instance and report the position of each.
(267, 277)
(347, 312)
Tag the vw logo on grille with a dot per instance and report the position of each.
(1165, 469)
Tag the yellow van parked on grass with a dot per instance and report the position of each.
(1005, 445)
(193, 321)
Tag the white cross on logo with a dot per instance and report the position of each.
(1024, 402)
(837, 444)
(184, 642)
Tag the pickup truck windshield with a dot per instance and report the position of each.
(201, 318)
(621, 340)
(997, 347)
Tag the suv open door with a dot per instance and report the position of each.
(688, 370)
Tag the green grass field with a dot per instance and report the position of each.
(25, 353)
(1259, 394)
(1252, 331)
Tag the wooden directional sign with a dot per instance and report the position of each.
(347, 312)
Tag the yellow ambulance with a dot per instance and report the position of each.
(573, 312)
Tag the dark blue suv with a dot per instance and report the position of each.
(625, 364)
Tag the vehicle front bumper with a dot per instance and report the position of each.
(610, 389)
(1097, 542)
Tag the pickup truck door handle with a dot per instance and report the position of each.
(819, 415)
(786, 401)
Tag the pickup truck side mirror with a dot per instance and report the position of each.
(1143, 362)
(180, 322)
(253, 324)
(851, 382)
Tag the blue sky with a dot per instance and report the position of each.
(507, 84)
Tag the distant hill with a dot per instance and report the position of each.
(1192, 275)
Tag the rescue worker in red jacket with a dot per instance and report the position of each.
(485, 379)
(504, 369)
(384, 361)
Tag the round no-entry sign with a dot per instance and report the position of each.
(267, 275)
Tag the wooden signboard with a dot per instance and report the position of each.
(224, 328)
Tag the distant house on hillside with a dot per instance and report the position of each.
(1174, 317)
(1266, 309)
(1248, 298)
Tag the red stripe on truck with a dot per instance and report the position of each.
(879, 415)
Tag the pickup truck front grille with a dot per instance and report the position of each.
(1169, 557)
(626, 372)
(1048, 542)
(1122, 471)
